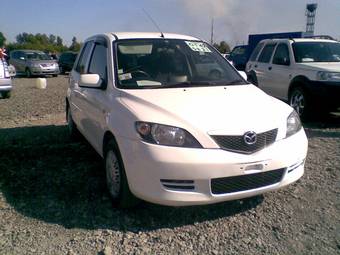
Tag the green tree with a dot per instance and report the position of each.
(222, 47)
(2, 40)
(75, 46)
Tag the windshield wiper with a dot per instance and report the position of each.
(186, 84)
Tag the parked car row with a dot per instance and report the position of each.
(37, 63)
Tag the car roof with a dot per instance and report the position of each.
(113, 36)
(299, 40)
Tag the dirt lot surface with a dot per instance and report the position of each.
(53, 198)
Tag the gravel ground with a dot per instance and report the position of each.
(53, 198)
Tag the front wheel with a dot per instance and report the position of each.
(116, 179)
(298, 100)
(71, 126)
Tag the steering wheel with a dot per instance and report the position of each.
(140, 73)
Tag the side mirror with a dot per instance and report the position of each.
(91, 81)
(243, 74)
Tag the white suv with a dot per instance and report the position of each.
(173, 135)
(303, 72)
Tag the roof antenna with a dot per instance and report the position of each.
(148, 15)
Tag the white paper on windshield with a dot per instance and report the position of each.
(125, 76)
(2, 69)
(198, 46)
(135, 49)
(148, 83)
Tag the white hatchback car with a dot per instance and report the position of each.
(172, 135)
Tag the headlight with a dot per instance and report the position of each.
(166, 135)
(293, 124)
(328, 76)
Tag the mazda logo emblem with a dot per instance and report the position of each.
(250, 138)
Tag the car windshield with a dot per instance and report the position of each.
(316, 52)
(165, 63)
(37, 56)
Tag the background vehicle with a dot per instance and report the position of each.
(66, 61)
(5, 80)
(173, 133)
(238, 57)
(303, 72)
(241, 53)
(33, 62)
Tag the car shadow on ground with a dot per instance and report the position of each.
(46, 176)
(321, 125)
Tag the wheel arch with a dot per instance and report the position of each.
(108, 136)
(298, 81)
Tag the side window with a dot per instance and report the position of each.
(256, 51)
(98, 63)
(80, 68)
(281, 56)
(266, 53)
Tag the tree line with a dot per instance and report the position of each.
(43, 42)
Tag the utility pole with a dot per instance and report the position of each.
(212, 32)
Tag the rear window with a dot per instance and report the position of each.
(266, 53)
(256, 52)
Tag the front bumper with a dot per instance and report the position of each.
(5, 84)
(44, 71)
(161, 174)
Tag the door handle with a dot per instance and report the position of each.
(270, 68)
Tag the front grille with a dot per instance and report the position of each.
(236, 143)
(178, 185)
(246, 182)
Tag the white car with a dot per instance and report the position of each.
(172, 135)
(5, 80)
(304, 72)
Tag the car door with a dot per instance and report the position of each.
(280, 73)
(76, 92)
(263, 67)
(95, 101)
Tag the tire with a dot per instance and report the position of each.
(28, 73)
(6, 94)
(71, 126)
(116, 180)
(61, 70)
(55, 75)
(299, 100)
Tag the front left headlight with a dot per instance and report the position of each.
(328, 76)
(166, 135)
(293, 124)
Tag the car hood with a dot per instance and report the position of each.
(322, 66)
(215, 110)
(49, 61)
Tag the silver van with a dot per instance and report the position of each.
(33, 62)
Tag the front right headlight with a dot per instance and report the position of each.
(293, 124)
(328, 76)
(166, 135)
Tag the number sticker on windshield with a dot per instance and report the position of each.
(198, 46)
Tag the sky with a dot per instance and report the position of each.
(234, 20)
